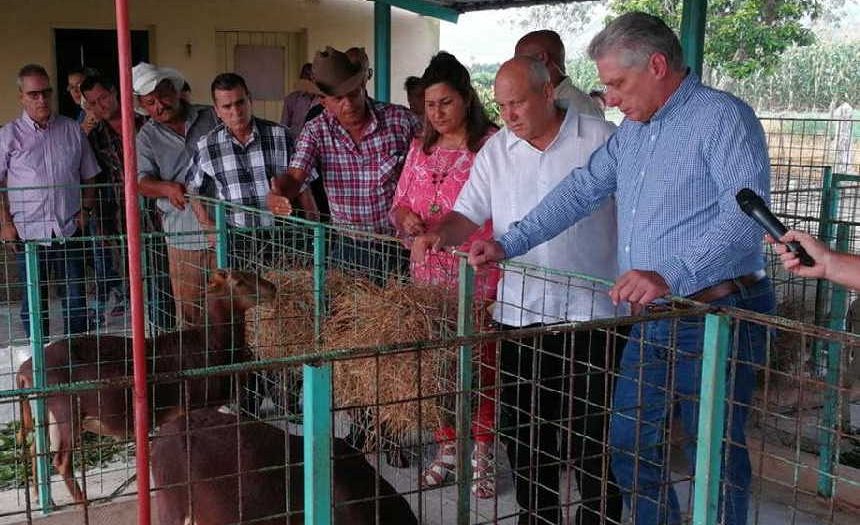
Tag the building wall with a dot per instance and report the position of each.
(174, 24)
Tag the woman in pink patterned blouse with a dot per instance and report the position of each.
(436, 168)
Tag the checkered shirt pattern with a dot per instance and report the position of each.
(241, 173)
(675, 178)
(359, 179)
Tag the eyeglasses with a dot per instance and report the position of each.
(42, 93)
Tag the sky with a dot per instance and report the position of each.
(498, 36)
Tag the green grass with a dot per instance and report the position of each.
(98, 451)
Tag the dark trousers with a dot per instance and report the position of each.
(60, 264)
(557, 388)
(107, 277)
(379, 260)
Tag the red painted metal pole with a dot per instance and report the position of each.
(132, 213)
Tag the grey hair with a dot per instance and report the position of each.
(30, 70)
(538, 74)
(637, 35)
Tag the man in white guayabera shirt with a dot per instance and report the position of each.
(540, 144)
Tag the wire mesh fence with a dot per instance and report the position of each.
(814, 142)
(366, 397)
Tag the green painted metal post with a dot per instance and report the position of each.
(829, 207)
(319, 280)
(34, 303)
(222, 240)
(317, 442)
(712, 415)
(830, 413)
(382, 51)
(823, 288)
(693, 33)
(464, 387)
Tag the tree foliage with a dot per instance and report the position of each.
(814, 78)
(741, 36)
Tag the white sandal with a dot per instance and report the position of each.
(483, 473)
(442, 468)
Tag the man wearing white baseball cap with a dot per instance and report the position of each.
(165, 145)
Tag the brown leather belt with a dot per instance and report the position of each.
(727, 287)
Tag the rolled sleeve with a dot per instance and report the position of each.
(146, 166)
(196, 172)
(306, 155)
(475, 199)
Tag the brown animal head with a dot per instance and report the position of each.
(238, 290)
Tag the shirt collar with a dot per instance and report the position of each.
(677, 100)
(570, 125)
(31, 124)
(192, 112)
(255, 133)
(371, 127)
(565, 82)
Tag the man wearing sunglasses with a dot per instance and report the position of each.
(44, 159)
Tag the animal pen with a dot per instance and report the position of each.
(353, 367)
(365, 365)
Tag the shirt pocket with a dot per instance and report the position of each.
(386, 168)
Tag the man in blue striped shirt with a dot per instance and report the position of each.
(674, 166)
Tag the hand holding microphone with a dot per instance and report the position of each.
(754, 206)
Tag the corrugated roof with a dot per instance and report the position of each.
(463, 6)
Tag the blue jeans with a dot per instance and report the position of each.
(61, 264)
(106, 275)
(661, 371)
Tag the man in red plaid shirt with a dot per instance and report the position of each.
(358, 145)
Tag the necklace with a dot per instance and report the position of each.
(440, 172)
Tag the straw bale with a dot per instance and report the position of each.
(362, 314)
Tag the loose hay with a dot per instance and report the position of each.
(363, 314)
(286, 327)
(366, 315)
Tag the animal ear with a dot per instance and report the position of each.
(218, 278)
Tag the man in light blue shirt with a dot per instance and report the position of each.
(674, 165)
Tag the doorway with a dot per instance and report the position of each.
(95, 48)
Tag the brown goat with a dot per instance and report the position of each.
(211, 447)
(109, 412)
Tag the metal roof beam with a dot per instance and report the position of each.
(425, 8)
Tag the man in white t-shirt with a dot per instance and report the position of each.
(541, 143)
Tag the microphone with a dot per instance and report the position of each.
(754, 206)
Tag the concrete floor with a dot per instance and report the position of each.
(770, 506)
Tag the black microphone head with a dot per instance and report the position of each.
(747, 199)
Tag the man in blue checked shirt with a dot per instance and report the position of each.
(674, 165)
(239, 157)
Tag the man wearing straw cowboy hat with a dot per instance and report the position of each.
(360, 145)
(674, 166)
(165, 146)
